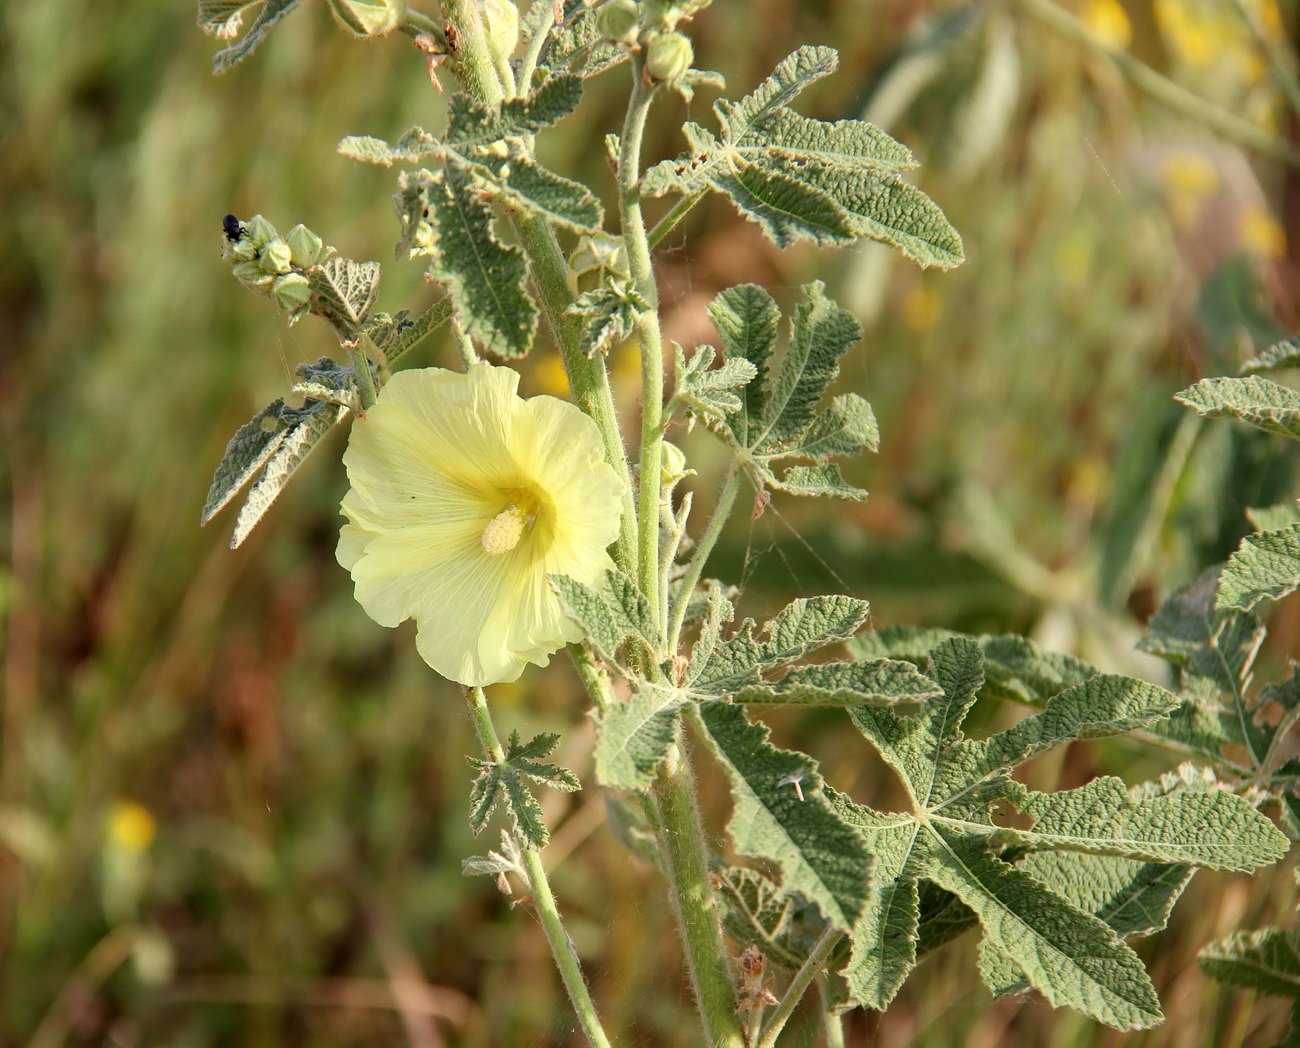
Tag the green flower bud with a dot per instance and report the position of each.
(673, 466)
(619, 20)
(667, 13)
(669, 56)
(250, 274)
(275, 257)
(291, 290)
(599, 251)
(369, 17)
(501, 19)
(241, 250)
(257, 231)
(304, 246)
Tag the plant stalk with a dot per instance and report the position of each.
(803, 978)
(566, 960)
(687, 861)
(726, 501)
(648, 336)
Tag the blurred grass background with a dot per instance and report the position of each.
(232, 809)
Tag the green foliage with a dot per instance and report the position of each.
(806, 179)
(780, 417)
(343, 293)
(950, 838)
(1265, 566)
(506, 783)
(224, 18)
(1261, 402)
(1278, 356)
(610, 313)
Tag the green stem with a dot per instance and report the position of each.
(803, 978)
(361, 371)
(832, 1024)
(471, 57)
(1164, 90)
(686, 857)
(566, 960)
(587, 377)
(535, 45)
(417, 22)
(464, 346)
(594, 679)
(648, 335)
(679, 210)
(726, 500)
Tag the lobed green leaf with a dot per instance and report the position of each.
(1261, 402)
(1265, 566)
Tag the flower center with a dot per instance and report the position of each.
(504, 531)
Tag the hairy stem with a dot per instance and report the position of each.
(535, 45)
(726, 500)
(832, 1024)
(1164, 90)
(566, 960)
(361, 369)
(648, 336)
(686, 856)
(803, 978)
(471, 58)
(678, 211)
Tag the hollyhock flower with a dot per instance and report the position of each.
(464, 497)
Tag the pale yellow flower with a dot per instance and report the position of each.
(464, 498)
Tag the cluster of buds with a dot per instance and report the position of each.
(653, 26)
(270, 264)
(753, 994)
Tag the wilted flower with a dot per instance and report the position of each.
(464, 498)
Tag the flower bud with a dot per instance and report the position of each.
(243, 250)
(291, 290)
(304, 246)
(619, 20)
(501, 20)
(250, 274)
(599, 251)
(369, 17)
(258, 231)
(669, 56)
(275, 257)
(673, 466)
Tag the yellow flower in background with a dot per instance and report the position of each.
(1261, 234)
(131, 826)
(464, 498)
(1107, 19)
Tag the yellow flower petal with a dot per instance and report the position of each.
(441, 459)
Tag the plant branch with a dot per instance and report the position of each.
(726, 501)
(803, 978)
(679, 211)
(687, 862)
(648, 336)
(1164, 90)
(566, 960)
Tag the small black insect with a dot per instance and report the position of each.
(233, 227)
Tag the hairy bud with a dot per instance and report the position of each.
(275, 257)
(669, 56)
(619, 20)
(305, 247)
(369, 17)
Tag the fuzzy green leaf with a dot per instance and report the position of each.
(343, 293)
(823, 480)
(473, 123)
(782, 816)
(1267, 960)
(1261, 402)
(746, 317)
(309, 426)
(397, 335)
(1265, 566)
(802, 626)
(561, 201)
(253, 443)
(610, 612)
(495, 863)
(576, 43)
(1279, 356)
(793, 74)
(223, 18)
(710, 392)
(485, 278)
(785, 208)
(610, 313)
(633, 736)
(881, 682)
(1072, 958)
(506, 783)
(758, 912)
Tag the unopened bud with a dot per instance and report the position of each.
(291, 290)
(501, 19)
(258, 231)
(250, 274)
(599, 251)
(673, 465)
(369, 17)
(242, 250)
(275, 257)
(304, 246)
(619, 20)
(669, 56)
